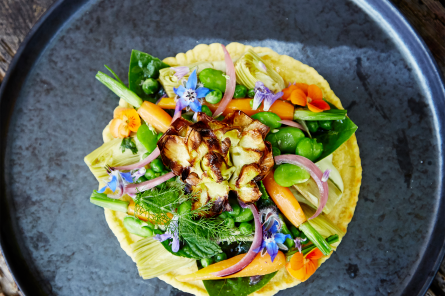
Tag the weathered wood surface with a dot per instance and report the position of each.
(18, 16)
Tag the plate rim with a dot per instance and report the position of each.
(411, 40)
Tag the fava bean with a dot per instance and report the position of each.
(275, 151)
(245, 216)
(147, 137)
(206, 110)
(240, 92)
(149, 174)
(213, 79)
(270, 119)
(288, 138)
(236, 209)
(157, 165)
(224, 215)
(272, 138)
(214, 97)
(141, 179)
(206, 262)
(230, 222)
(220, 257)
(312, 126)
(288, 174)
(251, 93)
(309, 148)
(245, 228)
(325, 124)
(150, 86)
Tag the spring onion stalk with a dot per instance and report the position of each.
(333, 114)
(315, 238)
(119, 89)
(101, 200)
(305, 250)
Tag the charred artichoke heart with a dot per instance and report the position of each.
(215, 157)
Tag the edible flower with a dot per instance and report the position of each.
(302, 266)
(172, 232)
(272, 239)
(126, 120)
(116, 182)
(136, 174)
(188, 95)
(262, 93)
(180, 72)
(302, 94)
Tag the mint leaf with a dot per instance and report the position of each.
(128, 143)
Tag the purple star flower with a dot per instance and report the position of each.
(262, 93)
(116, 182)
(172, 232)
(189, 95)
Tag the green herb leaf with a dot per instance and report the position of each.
(114, 74)
(203, 247)
(128, 143)
(263, 191)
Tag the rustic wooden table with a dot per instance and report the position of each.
(18, 16)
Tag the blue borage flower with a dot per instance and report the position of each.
(272, 239)
(116, 181)
(189, 95)
(262, 93)
(172, 232)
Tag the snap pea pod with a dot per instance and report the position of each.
(288, 242)
(245, 216)
(270, 119)
(148, 137)
(245, 228)
(138, 227)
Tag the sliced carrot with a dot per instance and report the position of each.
(167, 103)
(260, 265)
(155, 115)
(285, 200)
(314, 92)
(298, 97)
(130, 211)
(288, 91)
(303, 86)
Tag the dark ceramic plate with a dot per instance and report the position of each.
(53, 112)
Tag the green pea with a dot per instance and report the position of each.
(159, 136)
(165, 171)
(251, 93)
(295, 232)
(230, 222)
(288, 174)
(138, 227)
(220, 257)
(236, 209)
(289, 243)
(288, 138)
(149, 174)
(325, 124)
(213, 79)
(245, 228)
(147, 137)
(220, 118)
(185, 207)
(240, 92)
(312, 126)
(245, 216)
(150, 86)
(309, 148)
(157, 165)
(284, 228)
(206, 262)
(275, 151)
(272, 138)
(206, 110)
(270, 119)
(224, 215)
(141, 179)
(157, 174)
(214, 97)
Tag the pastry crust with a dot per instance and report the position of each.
(346, 159)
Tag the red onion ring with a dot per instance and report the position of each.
(315, 173)
(294, 124)
(230, 85)
(135, 188)
(142, 163)
(257, 240)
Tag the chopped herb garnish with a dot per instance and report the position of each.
(128, 143)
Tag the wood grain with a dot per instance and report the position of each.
(18, 16)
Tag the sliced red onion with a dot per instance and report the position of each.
(294, 124)
(230, 84)
(140, 164)
(135, 188)
(256, 244)
(315, 173)
(242, 204)
(181, 71)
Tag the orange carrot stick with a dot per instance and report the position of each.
(155, 115)
(130, 211)
(261, 265)
(285, 200)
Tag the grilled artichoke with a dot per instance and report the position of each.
(216, 157)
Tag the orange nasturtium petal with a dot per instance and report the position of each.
(287, 92)
(132, 119)
(304, 267)
(303, 87)
(297, 261)
(118, 111)
(114, 127)
(298, 97)
(315, 254)
(314, 92)
(318, 105)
